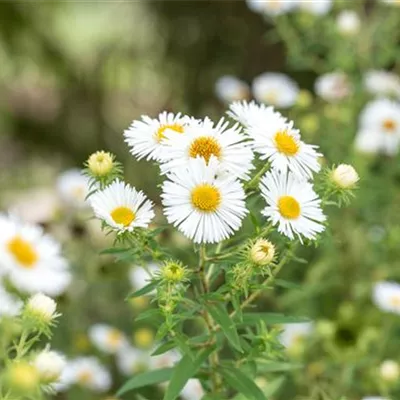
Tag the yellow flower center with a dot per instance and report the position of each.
(178, 128)
(206, 198)
(78, 193)
(289, 207)
(85, 377)
(389, 125)
(123, 215)
(23, 252)
(114, 338)
(205, 146)
(395, 301)
(286, 143)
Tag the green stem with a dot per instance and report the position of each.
(214, 357)
(257, 176)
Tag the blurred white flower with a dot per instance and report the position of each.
(165, 360)
(145, 137)
(140, 277)
(333, 87)
(130, 361)
(381, 82)
(374, 398)
(31, 259)
(36, 206)
(50, 365)
(270, 7)
(86, 372)
(205, 139)
(275, 89)
(348, 23)
(381, 117)
(386, 296)
(73, 187)
(389, 371)
(205, 205)
(41, 307)
(316, 7)
(370, 142)
(10, 305)
(392, 2)
(292, 204)
(122, 207)
(345, 176)
(107, 338)
(228, 88)
(192, 390)
(295, 334)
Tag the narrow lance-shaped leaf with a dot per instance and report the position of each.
(146, 379)
(186, 369)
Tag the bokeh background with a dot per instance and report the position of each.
(73, 75)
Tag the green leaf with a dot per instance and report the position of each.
(183, 371)
(271, 318)
(287, 284)
(239, 381)
(144, 290)
(146, 379)
(221, 316)
(163, 348)
(115, 250)
(152, 313)
(275, 366)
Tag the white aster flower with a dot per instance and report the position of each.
(192, 390)
(10, 305)
(228, 88)
(275, 89)
(50, 365)
(333, 87)
(122, 207)
(86, 372)
(139, 276)
(295, 334)
(270, 7)
(145, 137)
(292, 204)
(107, 338)
(130, 361)
(316, 7)
(277, 141)
(73, 187)
(381, 82)
(386, 296)
(205, 205)
(31, 259)
(204, 139)
(250, 113)
(348, 23)
(382, 116)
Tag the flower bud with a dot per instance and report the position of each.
(173, 272)
(389, 371)
(41, 308)
(100, 163)
(262, 252)
(344, 176)
(22, 377)
(49, 365)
